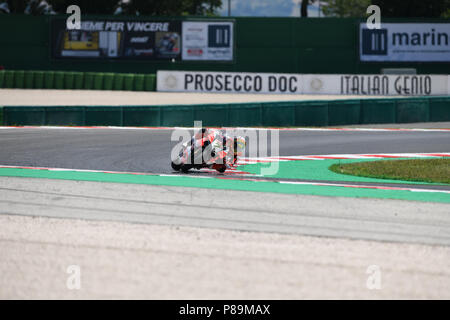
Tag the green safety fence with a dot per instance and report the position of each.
(103, 116)
(209, 114)
(413, 110)
(138, 116)
(22, 116)
(68, 116)
(1, 116)
(378, 111)
(311, 113)
(439, 109)
(269, 114)
(343, 112)
(283, 114)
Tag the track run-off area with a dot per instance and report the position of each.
(141, 157)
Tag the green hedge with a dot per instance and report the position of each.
(19, 79)
(39, 79)
(2, 78)
(31, 79)
(276, 114)
(49, 77)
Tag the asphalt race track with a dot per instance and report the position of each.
(149, 150)
(133, 150)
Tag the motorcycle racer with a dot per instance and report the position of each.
(211, 148)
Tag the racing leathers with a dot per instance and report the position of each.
(222, 146)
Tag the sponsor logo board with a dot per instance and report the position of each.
(233, 82)
(420, 42)
(207, 40)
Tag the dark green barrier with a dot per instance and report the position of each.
(39, 79)
(262, 44)
(136, 116)
(439, 109)
(49, 79)
(59, 80)
(22, 116)
(29, 80)
(98, 81)
(378, 111)
(118, 81)
(129, 81)
(412, 110)
(139, 82)
(343, 112)
(311, 113)
(150, 82)
(64, 116)
(1, 116)
(245, 114)
(278, 114)
(69, 80)
(2, 78)
(19, 79)
(89, 80)
(9, 79)
(103, 116)
(108, 80)
(211, 115)
(177, 116)
(78, 80)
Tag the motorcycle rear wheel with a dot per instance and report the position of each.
(175, 166)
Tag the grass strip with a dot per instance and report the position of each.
(418, 170)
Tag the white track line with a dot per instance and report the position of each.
(229, 174)
(227, 128)
(253, 160)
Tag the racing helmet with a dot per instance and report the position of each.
(201, 133)
(240, 144)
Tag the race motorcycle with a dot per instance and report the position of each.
(209, 155)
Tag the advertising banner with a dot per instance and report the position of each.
(208, 40)
(408, 42)
(117, 39)
(228, 82)
(363, 85)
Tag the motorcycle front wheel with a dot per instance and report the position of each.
(221, 169)
(185, 168)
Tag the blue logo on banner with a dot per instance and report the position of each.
(374, 42)
(219, 36)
